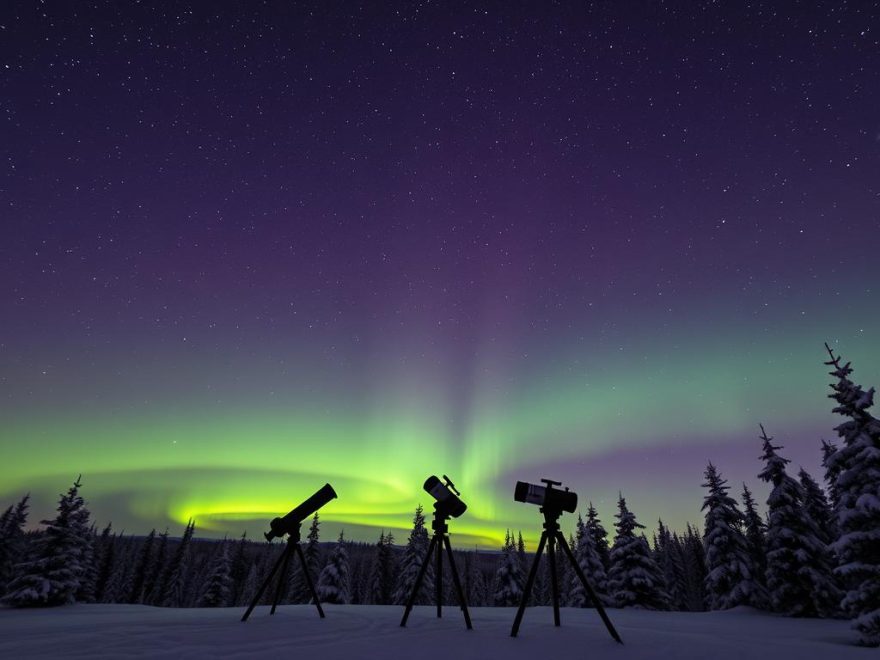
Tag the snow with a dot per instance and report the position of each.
(373, 631)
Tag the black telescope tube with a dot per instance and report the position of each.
(282, 526)
(447, 501)
(553, 498)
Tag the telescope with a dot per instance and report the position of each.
(448, 505)
(553, 502)
(290, 523)
(546, 496)
(447, 496)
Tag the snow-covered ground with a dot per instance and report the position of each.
(353, 631)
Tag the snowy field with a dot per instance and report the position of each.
(353, 631)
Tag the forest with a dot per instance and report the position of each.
(815, 552)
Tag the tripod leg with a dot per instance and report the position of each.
(457, 582)
(421, 576)
(282, 579)
(439, 580)
(529, 584)
(309, 584)
(551, 555)
(263, 586)
(592, 594)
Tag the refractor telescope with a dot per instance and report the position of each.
(546, 496)
(290, 523)
(447, 496)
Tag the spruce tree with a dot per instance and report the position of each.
(118, 584)
(174, 581)
(52, 577)
(523, 572)
(104, 560)
(857, 466)
(334, 584)
(88, 579)
(411, 562)
(832, 471)
(238, 569)
(299, 588)
(817, 507)
(695, 569)
(588, 559)
(731, 580)
(508, 589)
(564, 573)
(599, 535)
(139, 576)
(218, 589)
(381, 585)
(670, 558)
(156, 571)
(474, 583)
(542, 590)
(634, 580)
(754, 529)
(799, 577)
(12, 539)
(250, 585)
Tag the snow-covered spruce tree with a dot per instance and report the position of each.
(521, 558)
(139, 572)
(857, 465)
(832, 471)
(156, 571)
(299, 588)
(52, 577)
(238, 569)
(333, 584)
(564, 573)
(754, 530)
(474, 582)
(508, 590)
(174, 580)
(817, 507)
(104, 557)
(588, 559)
(731, 580)
(270, 555)
(411, 562)
(599, 535)
(381, 586)
(670, 558)
(250, 585)
(695, 569)
(89, 577)
(634, 580)
(799, 571)
(218, 589)
(12, 539)
(119, 583)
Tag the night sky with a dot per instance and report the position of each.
(247, 248)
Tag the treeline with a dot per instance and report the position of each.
(71, 561)
(815, 553)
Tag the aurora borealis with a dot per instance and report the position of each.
(246, 250)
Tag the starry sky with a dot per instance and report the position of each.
(247, 248)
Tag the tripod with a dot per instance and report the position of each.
(549, 537)
(283, 562)
(438, 541)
